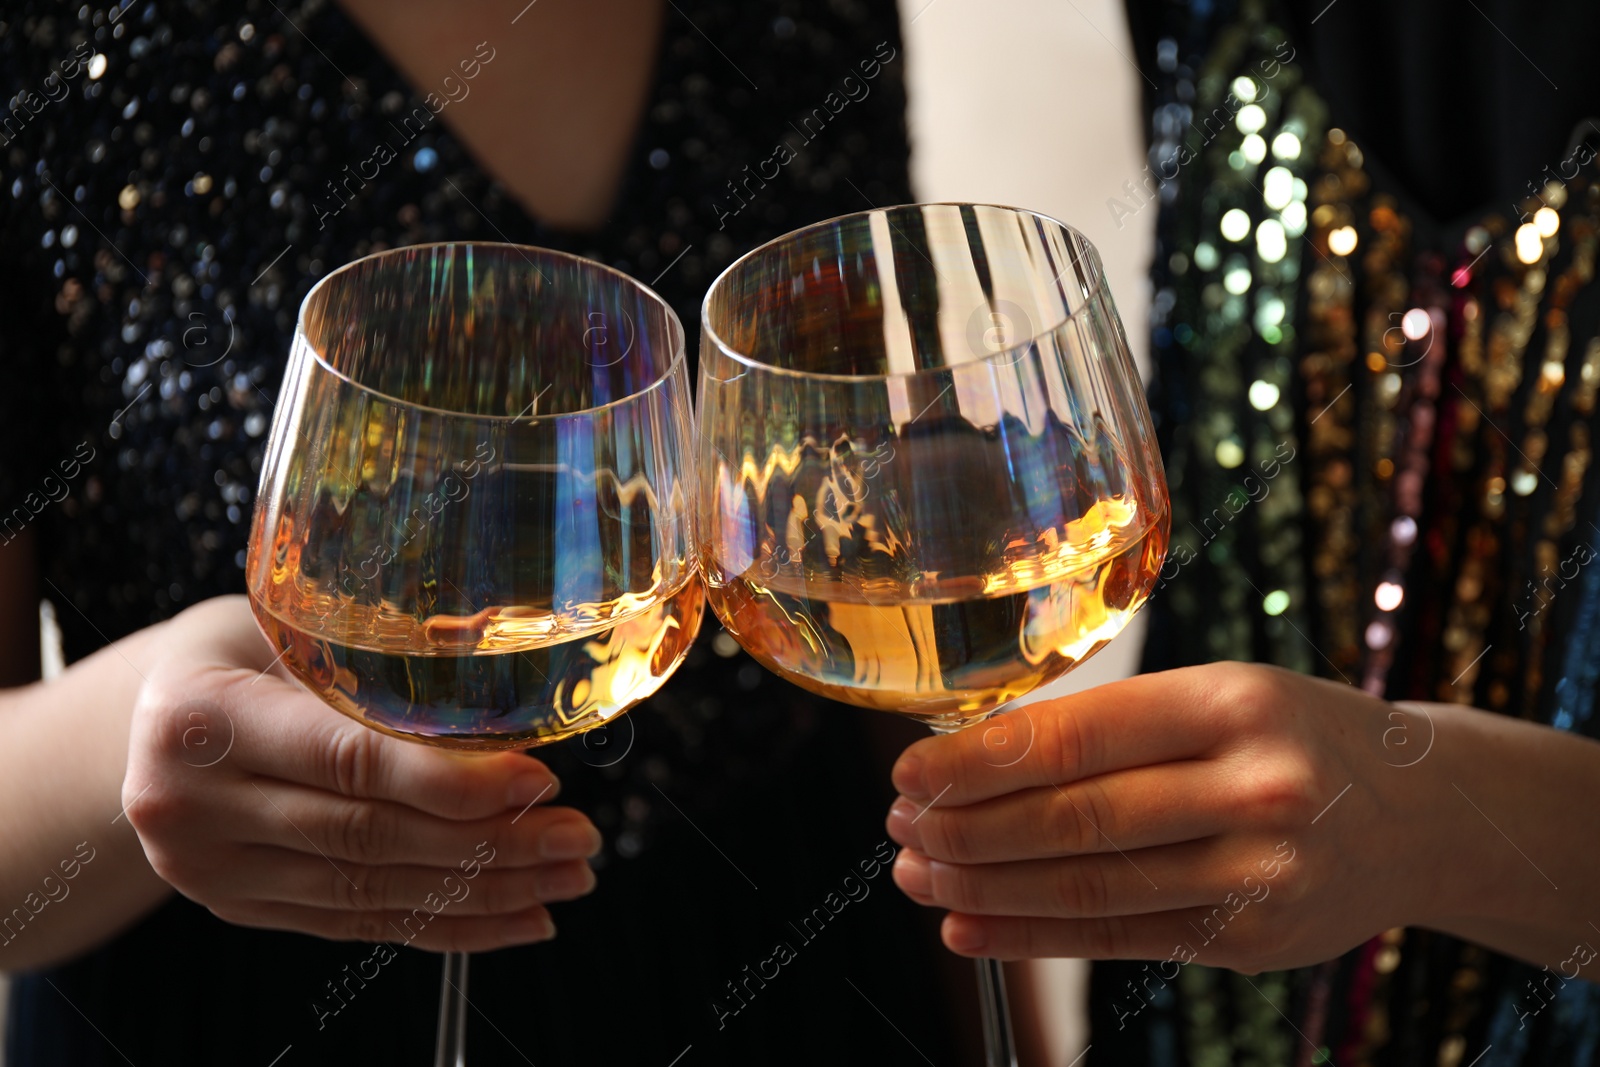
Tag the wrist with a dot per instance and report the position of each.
(1518, 800)
(1489, 787)
(1442, 840)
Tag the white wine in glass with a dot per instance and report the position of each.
(473, 528)
(928, 478)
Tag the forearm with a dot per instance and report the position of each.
(1520, 806)
(72, 871)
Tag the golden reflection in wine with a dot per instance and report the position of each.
(950, 653)
(505, 676)
(928, 480)
(500, 696)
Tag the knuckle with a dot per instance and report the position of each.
(173, 716)
(960, 889)
(164, 828)
(1281, 796)
(157, 732)
(1081, 889)
(1065, 825)
(1062, 745)
(355, 887)
(946, 837)
(1084, 812)
(1007, 738)
(1255, 694)
(158, 697)
(157, 810)
(353, 757)
(364, 832)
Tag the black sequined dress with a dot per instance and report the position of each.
(166, 199)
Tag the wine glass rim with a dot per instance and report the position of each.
(1001, 357)
(679, 357)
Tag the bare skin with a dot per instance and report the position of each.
(176, 763)
(1250, 818)
(551, 116)
(77, 727)
(553, 113)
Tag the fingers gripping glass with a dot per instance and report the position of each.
(472, 528)
(928, 482)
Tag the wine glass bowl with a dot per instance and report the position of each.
(928, 478)
(473, 524)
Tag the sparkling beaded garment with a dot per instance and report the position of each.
(1379, 435)
(175, 177)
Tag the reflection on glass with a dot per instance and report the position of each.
(928, 481)
(472, 528)
(929, 485)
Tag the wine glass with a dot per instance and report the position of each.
(473, 526)
(928, 477)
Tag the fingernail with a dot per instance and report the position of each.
(529, 788)
(907, 776)
(569, 841)
(565, 882)
(963, 934)
(911, 873)
(903, 816)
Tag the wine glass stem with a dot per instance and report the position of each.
(999, 1050)
(451, 1048)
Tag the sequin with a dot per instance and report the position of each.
(174, 229)
(1446, 461)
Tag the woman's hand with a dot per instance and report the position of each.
(254, 798)
(1240, 815)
